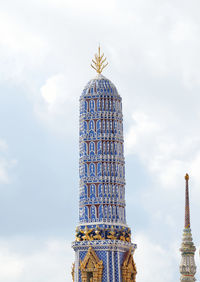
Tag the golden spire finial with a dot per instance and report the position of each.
(187, 176)
(99, 61)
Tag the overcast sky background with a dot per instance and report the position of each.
(46, 47)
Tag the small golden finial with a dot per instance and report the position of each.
(99, 61)
(187, 177)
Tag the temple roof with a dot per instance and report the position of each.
(100, 85)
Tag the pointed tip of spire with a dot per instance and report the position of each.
(99, 62)
(187, 177)
(187, 204)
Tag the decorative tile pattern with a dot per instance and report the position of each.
(102, 172)
(102, 217)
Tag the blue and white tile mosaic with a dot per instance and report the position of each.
(102, 179)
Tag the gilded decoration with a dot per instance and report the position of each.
(98, 62)
(86, 234)
(91, 267)
(73, 268)
(128, 268)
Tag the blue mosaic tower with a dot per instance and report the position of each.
(103, 248)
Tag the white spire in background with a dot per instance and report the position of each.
(187, 265)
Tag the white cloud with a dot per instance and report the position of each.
(48, 260)
(21, 49)
(160, 39)
(168, 147)
(56, 92)
(78, 5)
(11, 265)
(55, 107)
(3, 145)
(167, 151)
(57, 103)
(154, 263)
(6, 164)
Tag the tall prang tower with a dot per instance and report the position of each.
(103, 247)
(187, 265)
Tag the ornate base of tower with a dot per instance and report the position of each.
(187, 266)
(104, 260)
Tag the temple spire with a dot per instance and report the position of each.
(187, 265)
(103, 247)
(187, 203)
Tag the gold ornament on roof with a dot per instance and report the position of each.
(98, 62)
(187, 176)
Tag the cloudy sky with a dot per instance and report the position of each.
(46, 47)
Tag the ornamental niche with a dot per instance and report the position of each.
(91, 267)
(128, 268)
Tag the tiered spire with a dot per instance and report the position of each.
(187, 265)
